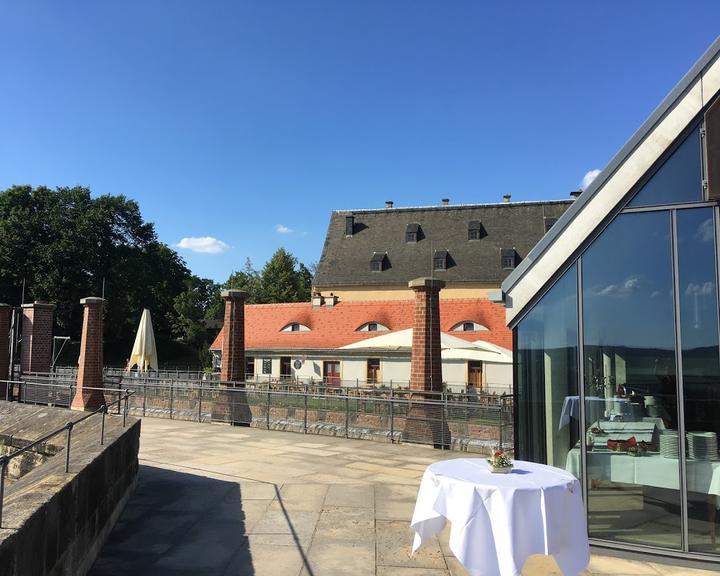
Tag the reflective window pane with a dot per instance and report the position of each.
(547, 340)
(701, 370)
(677, 181)
(630, 383)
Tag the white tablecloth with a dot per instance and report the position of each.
(703, 476)
(499, 520)
(595, 408)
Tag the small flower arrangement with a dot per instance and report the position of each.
(500, 462)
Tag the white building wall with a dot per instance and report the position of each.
(498, 378)
(395, 369)
(354, 370)
(454, 374)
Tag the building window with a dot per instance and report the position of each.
(373, 370)
(373, 327)
(377, 262)
(267, 366)
(440, 260)
(549, 223)
(468, 326)
(475, 230)
(295, 327)
(412, 233)
(249, 366)
(508, 258)
(349, 225)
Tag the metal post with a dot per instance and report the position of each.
(125, 412)
(144, 397)
(200, 393)
(305, 417)
(103, 410)
(67, 447)
(171, 399)
(392, 414)
(347, 413)
(3, 467)
(267, 415)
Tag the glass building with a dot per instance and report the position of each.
(616, 332)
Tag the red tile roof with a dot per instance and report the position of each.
(337, 326)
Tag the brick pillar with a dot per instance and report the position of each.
(231, 404)
(5, 311)
(90, 364)
(426, 422)
(37, 339)
(232, 368)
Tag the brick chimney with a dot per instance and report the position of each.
(232, 368)
(426, 422)
(37, 326)
(5, 311)
(90, 364)
(231, 404)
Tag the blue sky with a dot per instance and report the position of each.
(248, 122)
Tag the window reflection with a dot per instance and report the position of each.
(678, 180)
(630, 382)
(547, 375)
(701, 370)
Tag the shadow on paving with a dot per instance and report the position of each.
(178, 524)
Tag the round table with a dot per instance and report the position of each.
(499, 520)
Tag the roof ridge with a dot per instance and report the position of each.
(455, 206)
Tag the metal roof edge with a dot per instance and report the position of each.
(640, 134)
(451, 207)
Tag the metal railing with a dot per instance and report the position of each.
(468, 421)
(67, 428)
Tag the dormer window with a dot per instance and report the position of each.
(377, 262)
(474, 230)
(295, 327)
(373, 327)
(508, 258)
(412, 233)
(549, 222)
(349, 225)
(468, 326)
(440, 260)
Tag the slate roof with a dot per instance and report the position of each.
(345, 260)
(333, 327)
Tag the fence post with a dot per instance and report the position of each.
(67, 447)
(267, 414)
(305, 417)
(347, 414)
(200, 393)
(103, 409)
(144, 397)
(3, 466)
(392, 414)
(125, 411)
(171, 399)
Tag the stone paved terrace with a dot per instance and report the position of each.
(221, 500)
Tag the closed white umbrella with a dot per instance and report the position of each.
(144, 353)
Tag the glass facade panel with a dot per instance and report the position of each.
(630, 383)
(700, 369)
(678, 180)
(547, 388)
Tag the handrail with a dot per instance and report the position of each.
(5, 459)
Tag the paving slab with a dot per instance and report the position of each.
(268, 503)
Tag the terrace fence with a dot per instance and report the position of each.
(389, 411)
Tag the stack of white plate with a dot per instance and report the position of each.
(702, 445)
(669, 444)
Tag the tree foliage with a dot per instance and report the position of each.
(63, 245)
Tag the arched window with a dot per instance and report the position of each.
(295, 327)
(373, 327)
(468, 326)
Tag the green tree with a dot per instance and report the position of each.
(281, 282)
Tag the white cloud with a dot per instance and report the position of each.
(205, 244)
(631, 285)
(704, 289)
(282, 229)
(588, 178)
(706, 231)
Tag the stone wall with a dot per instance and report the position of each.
(60, 521)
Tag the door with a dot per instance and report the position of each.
(285, 368)
(474, 376)
(331, 372)
(373, 370)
